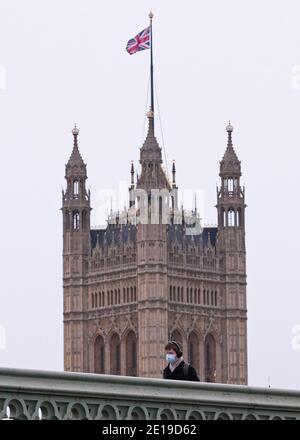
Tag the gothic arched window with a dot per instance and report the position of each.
(239, 217)
(224, 217)
(230, 184)
(176, 336)
(76, 218)
(84, 217)
(230, 217)
(115, 354)
(210, 358)
(131, 354)
(67, 220)
(75, 188)
(99, 355)
(193, 350)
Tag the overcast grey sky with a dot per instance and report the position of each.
(65, 62)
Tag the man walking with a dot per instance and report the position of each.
(177, 368)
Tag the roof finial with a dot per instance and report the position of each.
(132, 174)
(151, 15)
(229, 130)
(174, 174)
(195, 204)
(75, 133)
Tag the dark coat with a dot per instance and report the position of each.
(178, 374)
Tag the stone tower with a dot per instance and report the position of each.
(152, 300)
(76, 250)
(149, 275)
(232, 254)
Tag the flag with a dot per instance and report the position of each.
(140, 42)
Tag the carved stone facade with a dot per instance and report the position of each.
(154, 274)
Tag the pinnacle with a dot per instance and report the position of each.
(75, 165)
(75, 158)
(230, 161)
(150, 149)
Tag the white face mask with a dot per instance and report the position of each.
(171, 358)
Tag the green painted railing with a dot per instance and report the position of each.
(30, 394)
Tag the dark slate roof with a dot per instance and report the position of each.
(177, 233)
(123, 233)
(113, 233)
(212, 231)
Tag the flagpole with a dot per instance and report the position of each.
(151, 64)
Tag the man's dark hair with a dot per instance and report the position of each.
(173, 345)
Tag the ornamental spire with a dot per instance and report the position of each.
(132, 174)
(230, 164)
(173, 175)
(75, 163)
(229, 130)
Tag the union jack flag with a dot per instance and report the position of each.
(140, 42)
